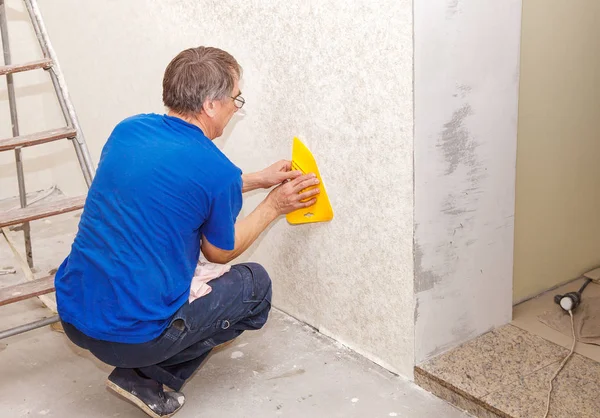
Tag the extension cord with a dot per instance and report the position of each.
(594, 277)
(562, 364)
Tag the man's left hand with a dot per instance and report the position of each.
(271, 176)
(277, 173)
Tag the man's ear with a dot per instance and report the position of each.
(209, 107)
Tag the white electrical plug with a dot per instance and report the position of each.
(566, 303)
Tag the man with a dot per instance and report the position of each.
(164, 193)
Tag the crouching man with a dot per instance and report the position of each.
(164, 193)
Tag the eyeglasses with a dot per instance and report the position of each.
(238, 101)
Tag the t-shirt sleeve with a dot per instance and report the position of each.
(219, 227)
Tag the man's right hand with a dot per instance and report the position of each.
(285, 198)
(289, 196)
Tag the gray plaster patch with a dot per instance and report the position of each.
(425, 279)
(450, 207)
(416, 309)
(452, 9)
(459, 150)
(455, 140)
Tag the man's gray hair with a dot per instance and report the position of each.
(198, 74)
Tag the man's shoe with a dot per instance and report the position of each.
(145, 393)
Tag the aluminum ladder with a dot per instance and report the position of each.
(17, 142)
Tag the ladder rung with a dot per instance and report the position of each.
(33, 65)
(39, 210)
(36, 138)
(26, 290)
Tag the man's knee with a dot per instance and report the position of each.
(262, 281)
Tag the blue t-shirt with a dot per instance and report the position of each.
(160, 185)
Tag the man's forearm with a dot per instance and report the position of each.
(246, 232)
(251, 181)
(285, 198)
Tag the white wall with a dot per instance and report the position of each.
(466, 82)
(338, 75)
(557, 227)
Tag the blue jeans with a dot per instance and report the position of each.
(240, 300)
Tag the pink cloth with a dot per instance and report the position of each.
(205, 272)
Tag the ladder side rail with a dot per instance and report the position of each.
(60, 86)
(12, 103)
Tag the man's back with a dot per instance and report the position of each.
(160, 185)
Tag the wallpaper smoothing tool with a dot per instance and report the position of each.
(321, 211)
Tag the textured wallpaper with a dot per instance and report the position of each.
(338, 75)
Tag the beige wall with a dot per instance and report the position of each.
(337, 74)
(557, 221)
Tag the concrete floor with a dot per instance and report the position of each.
(287, 369)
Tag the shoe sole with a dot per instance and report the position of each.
(137, 401)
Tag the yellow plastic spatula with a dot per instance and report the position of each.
(321, 211)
